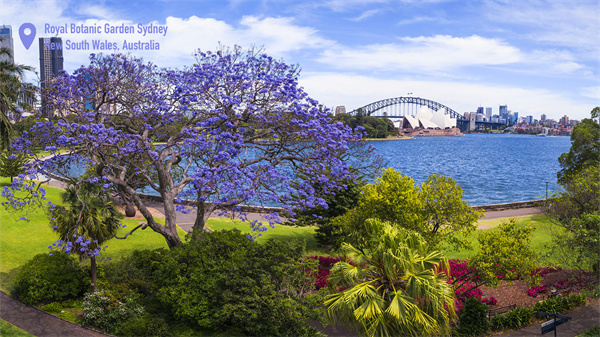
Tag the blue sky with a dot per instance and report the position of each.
(535, 56)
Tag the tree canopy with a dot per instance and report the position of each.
(246, 129)
(11, 89)
(434, 209)
(585, 149)
(575, 212)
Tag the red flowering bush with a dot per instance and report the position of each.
(534, 291)
(459, 269)
(325, 263)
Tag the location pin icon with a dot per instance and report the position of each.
(27, 39)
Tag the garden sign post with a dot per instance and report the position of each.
(554, 322)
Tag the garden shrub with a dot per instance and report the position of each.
(514, 319)
(146, 325)
(104, 312)
(473, 320)
(221, 282)
(500, 322)
(53, 307)
(559, 304)
(519, 317)
(48, 278)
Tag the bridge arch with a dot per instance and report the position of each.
(407, 104)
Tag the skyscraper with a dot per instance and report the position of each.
(51, 63)
(6, 41)
(488, 111)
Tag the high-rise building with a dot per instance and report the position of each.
(543, 118)
(564, 120)
(503, 111)
(51, 63)
(480, 110)
(341, 109)
(488, 111)
(6, 41)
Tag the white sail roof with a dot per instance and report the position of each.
(413, 122)
(424, 113)
(438, 118)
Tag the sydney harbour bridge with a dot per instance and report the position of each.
(399, 107)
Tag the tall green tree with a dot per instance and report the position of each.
(89, 220)
(435, 209)
(11, 88)
(394, 288)
(585, 148)
(575, 215)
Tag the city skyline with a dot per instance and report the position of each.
(355, 52)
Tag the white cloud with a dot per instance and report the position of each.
(558, 23)
(438, 53)
(184, 35)
(354, 91)
(592, 92)
(366, 15)
(422, 19)
(96, 11)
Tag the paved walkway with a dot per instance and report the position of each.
(39, 323)
(581, 320)
(186, 221)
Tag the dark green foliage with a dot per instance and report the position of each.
(218, 283)
(223, 282)
(374, 127)
(338, 204)
(473, 320)
(50, 278)
(559, 304)
(145, 326)
(584, 152)
(11, 165)
(514, 319)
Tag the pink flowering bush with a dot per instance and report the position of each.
(325, 264)
(534, 291)
(458, 269)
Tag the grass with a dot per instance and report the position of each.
(21, 240)
(280, 232)
(540, 238)
(9, 330)
(593, 332)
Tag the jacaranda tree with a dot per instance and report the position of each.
(245, 128)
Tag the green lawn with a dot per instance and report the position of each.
(541, 236)
(9, 330)
(279, 232)
(21, 240)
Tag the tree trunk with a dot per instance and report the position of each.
(93, 272)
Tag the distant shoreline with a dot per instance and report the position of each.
(385, 139)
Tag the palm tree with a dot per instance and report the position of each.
(89, 221)
(393, 286)
(11, 88)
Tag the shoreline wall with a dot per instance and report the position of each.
(265, 209)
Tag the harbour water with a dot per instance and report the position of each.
(491, 168)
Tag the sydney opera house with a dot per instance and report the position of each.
(428, 123)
